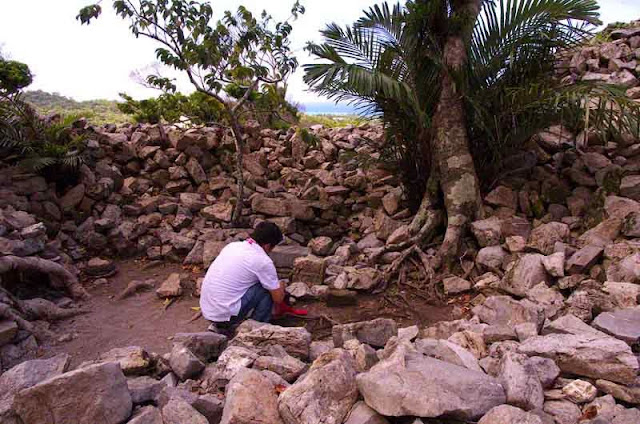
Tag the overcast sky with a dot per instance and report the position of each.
(96, 61)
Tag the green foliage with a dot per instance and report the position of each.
(197, 109)
(308, 137)
(605, 35)
(228, 59)
(14, 76)
(98, 112)
(37, 145)
(389, 64)
(332, 121)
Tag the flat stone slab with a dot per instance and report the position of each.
(623, 324)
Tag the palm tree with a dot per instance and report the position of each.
(459, 84)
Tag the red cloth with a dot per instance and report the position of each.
(282, 309)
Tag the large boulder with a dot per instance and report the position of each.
(95, 394)
(544, 237)
(281, 363)
(504, 310)
(207, 346)
(179, 411)
(520, 381)
(133, 360)
(361, 413)
(250, 398)
(375, 333)
(586, 354)
(260, 337)
(25, 375)
(449, 352)
(525, 273)
(409, 383)
(623, 324)
(325, 394)
(507, 414)
(184, 363)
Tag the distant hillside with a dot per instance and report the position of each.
(96, 111)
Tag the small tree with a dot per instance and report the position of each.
(14, 76)
(237, 52)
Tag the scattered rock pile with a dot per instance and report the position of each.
(371, 372)
(553, 335)
(615, 62)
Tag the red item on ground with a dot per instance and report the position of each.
(282, 309)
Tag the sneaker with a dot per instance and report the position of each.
(221, 328)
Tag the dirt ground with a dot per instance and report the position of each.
(142, 320)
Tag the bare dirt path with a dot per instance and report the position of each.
(142, 320)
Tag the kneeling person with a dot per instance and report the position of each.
(242, 279)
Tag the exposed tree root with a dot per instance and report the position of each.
(426, 286)
(49, 311)
(135, 286)
(58, 274)
(11, 314)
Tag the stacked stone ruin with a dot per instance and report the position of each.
(553, 334)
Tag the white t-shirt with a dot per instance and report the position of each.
(237, 268)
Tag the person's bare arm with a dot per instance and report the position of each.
(278, 294)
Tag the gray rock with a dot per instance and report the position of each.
(207, 346)
(409, 383)
(179, 411)
(250, 398)
(365, 357)
(525, 273)
(563, 412)
(488, 231)
(361, 413)
(455, 285)
(627, 416)
(286, 366)
(507, 414)
(586, 354)
(97, 393)
(210, 406)
(8, 330)
(375, 333)
(544, 237)
(491, 257)
(25, 375)
(170, 287)
(546, 369)
(623, 324)
(133, 360)
(504, 310)
(325, 394)
(295, 340)
(579, 391)
(146, 415)
(520, 382)
(144, 389)
(582, 261)
(627, 393)
(447, 351)
(319, 347)
(184, 363)
(569, 324)
(554, 264)
(630, 187)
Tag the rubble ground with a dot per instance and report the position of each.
(141, 319)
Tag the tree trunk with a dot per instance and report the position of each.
(239, 144)
(458, 178)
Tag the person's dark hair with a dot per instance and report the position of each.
(267, 233)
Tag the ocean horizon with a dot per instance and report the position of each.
(323, 108)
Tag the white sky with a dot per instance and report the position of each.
(95, 61)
